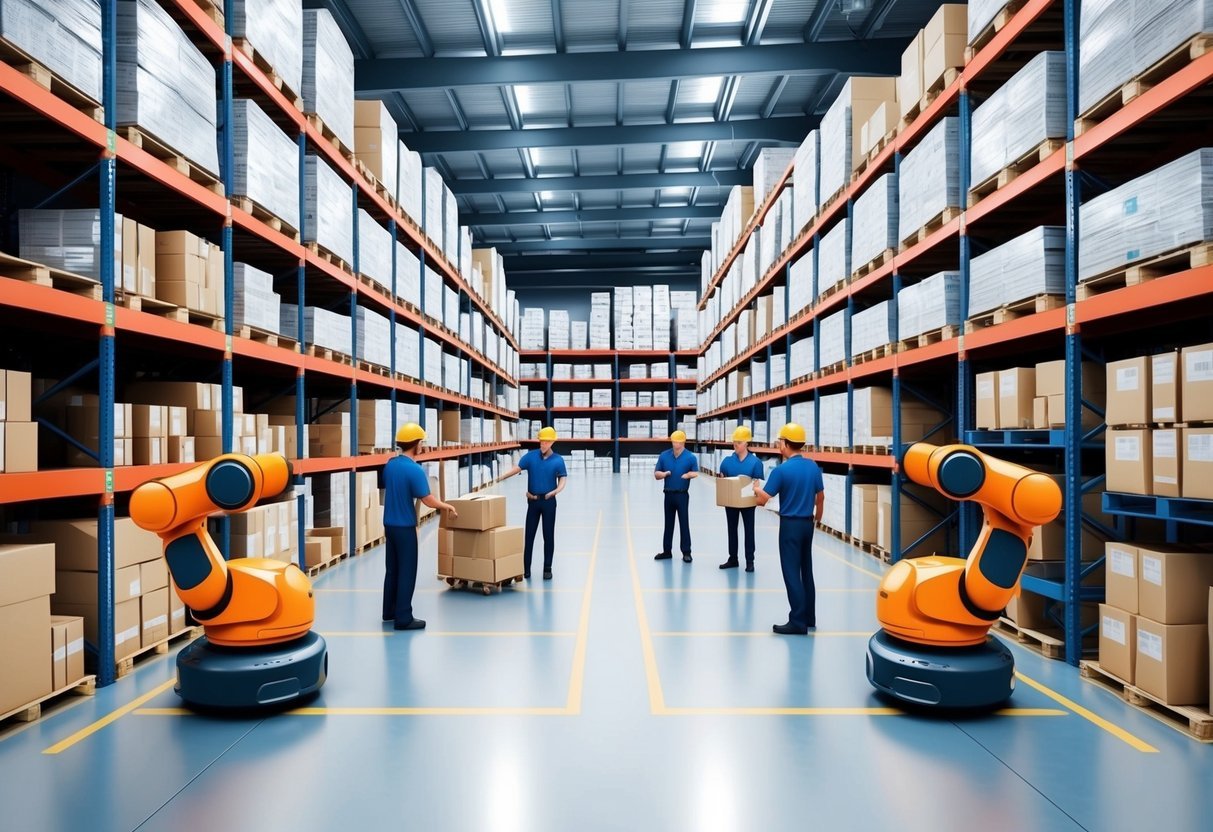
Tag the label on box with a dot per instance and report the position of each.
(1165, 445)
(1127, 379)
(153, 623)
(1199, 366)
(1128, 449)
(1200, 447)
(136, 588)
(126, 635)
(1008, 383)
(1122, 563)
(1151, 569)
(1164, 414)
(1149, 644)
(1164, 369)
(75, 646)
(985, 388)
(1114, 629)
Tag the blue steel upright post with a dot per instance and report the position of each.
(227, 171)
(352, 519)
(964, 370)
(300, 376)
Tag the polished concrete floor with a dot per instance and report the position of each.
(623, 695)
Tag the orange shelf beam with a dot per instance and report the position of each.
(52, 107)
(1195, 284)
(1002, 41)
(854, 460)
(48, 485)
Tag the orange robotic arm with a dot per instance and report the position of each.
(245, 602)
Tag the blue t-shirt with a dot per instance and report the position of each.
(684, 463)
(542, 474)
(797, 482)
(404, 481)
(734, 467)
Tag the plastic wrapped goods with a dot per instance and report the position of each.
(320, 327)
(982, 14)
(328, 74)
(801, 285)
(872, 328)
(769, 168)
(67, 239)
(1166, 209)
(62, 35)
(374, 337)
(1030, 265)
(255, 303)
(330, 209)
(267, 163)
(840, 129)
(801, 360)
(929, 305)
(1025, 111)
(805, 197)
(834, 421)
(275, 30)
(833, 257)
(832, 336)
(875, 221)
(930, 178)
(374, 249)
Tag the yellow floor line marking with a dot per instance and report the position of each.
(577, 676)
(452, 634)
(656, 697)
(755, 634)
(1115, 730)
(111, 717)
(857, 568)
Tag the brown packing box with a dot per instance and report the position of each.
(336, 536)
(149, 420)
(1128, 386)
(1173, 661)
(448, 427)
(317, 550)
(153, 574)
(182, 449)
(128, 280)
(176, 612)
(735, 492)
(146, 260)
(1165, 401)
(487, 571)
(446, 541)
(128, 624)
(81, 587)
(1197, 475)
(1032, 612)
(865, 514)
(181, 242)
(1016, 390)
(987, 401)
(67, 650)
(154, 614)
(1051, 385)
(59, 651)
(18, 397)
(205, 422)
(150, 451)
(76, 543)
(24, 657)
(909, 83)
(178, 422)
(1165, 461)
(207, 447)
(18, 447)
(1120, 589)
(1117, 642)
(180, 293)
(490, 544)
(27, 570)
(1040, 413)
(446, 565)
(1129, 461)
(83, 421)
(943, 42)
(1171, 583)
(478, 513)
(188, 394)
(1196, 395)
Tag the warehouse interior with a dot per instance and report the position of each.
(947, 266)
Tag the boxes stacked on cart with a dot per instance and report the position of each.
(39, 653)
(929, 180)
(478, 545)
(1160, 418)
(328, 74)
(274, 28)
(62, 35)
(1154, 626)
(165, 85)
(841, 127)
(328, 209)
(1031, 265)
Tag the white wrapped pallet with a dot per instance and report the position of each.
(804, 414)
(834, 514)
(982, 14)
(930, 178)
(408, 276)
(875, 219)
(1023, 113)
(834, 421)
(255, 303)
(801, 285)
(374, 338)
(408, 354)
(374, 249)
(166, 86)
(67, 239)
(770, 166)
(329, 209)
(1030, 265)
(328, 74)
(832, 336)
(62, 35)
(433, 205)
(267, 163)
(1165, 210)
(275, 29)
(801, 360)
(805, 198)
(872, 328)
(840, 129)
(932, 304)
(451, 240)
(834, 257)
(410, 174)
(321, 328)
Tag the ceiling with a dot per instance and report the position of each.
(585, 137)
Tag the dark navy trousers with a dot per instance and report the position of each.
(677, 504)
(537, 510)
(746, 516)
(400, 577)
(796, 559)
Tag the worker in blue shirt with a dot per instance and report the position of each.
(546, 476)
(741, 463)
(404, 482)
(798, 484)
(677, 467)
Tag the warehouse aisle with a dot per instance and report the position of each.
(623, 694)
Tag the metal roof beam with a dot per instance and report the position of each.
(574, 244)
(557, 25)
(688, 23)
(768, 107)
(876, 17)
(488, 27)
(757, 22)
(685, 212)
(381, 75)
(515, 263)
(613, 182)
(413, 15)
(812, 29)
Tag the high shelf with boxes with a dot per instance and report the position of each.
(917, 276)
(295, 292)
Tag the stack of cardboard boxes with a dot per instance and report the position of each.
(478, 545)
(189, 272)
(18, 431)
(1034, 398)
(1154, 627)
(267, 531)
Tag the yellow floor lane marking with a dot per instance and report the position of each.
(756, 634)
(1115, 730)
(656, 697)
(857, 568)
(577, 675)
(111, 717)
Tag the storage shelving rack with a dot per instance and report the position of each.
(618, 359)
(1124, 141)
(157, 193)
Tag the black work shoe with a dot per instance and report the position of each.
(527, 575)
(686, 558)
(388, 618)
(749, 567)
(789, 630)
(415, 624)
(663, 556)
(547, 574)
(729, 564)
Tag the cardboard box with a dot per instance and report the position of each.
(490, 544)
(317, 550)
(336, 536)
(909, 84)
(153, 574)
(1196, 394)
(154, 612)
(188, 394)
(478, 513)
(1173, 661)
(446, 565)
(473, 569)
(27, 571)
(207, 447)
(204, 422)
(176, 612)
(181, 242)
(1128, 384)
(181, 449)
(735, 492)
(1165, 397)
(24, 657)
(178, 422)
(446, 541)
(1172, 582)
(1040, 413)
(18, 447)
(149, 420)
(943, 42)
(128, 624)
(1120, 591)
(76, 543)
(1197, 469)
(1016, 391)
(1032, 612)
(1129, 459)
(67, 650)
(987, 401)
(17, 401)
(146, 261)
(1165, 461)
(81, 587)
(510, 566)
(150, 451)
(865, 513)
(128, 279)
(1117, 642)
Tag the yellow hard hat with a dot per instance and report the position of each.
(742, 434)
(547, 435)
(410, 432)
(678, 436)
(792, 432)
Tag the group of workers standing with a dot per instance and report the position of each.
(797, 482)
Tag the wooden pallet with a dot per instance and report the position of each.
(1182, 260)
(872, 450)
(369, 545)
(873, 264)
(926, 339)
(1196, 723)
(328, 256)
(1000, 21)
(266, 216)
(259, 60)
(833, 369)
(1020, 166)
(933, 91)
(1049, 646)
(934, 224)
(313, 571)
(1012, 311)
(875, 151)
(126, 666)
(332, 138)
(155, 147)
(27, 271)
(875, 354)
(1174, 61)
(485, 588)
(211, 10)
(830, 291)
(20, 60)
(271, 339)
(168, 311)
(329, 355)
(374, 369)
(33, 711)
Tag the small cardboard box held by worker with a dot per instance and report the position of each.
(477, 546)
(735, 492)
